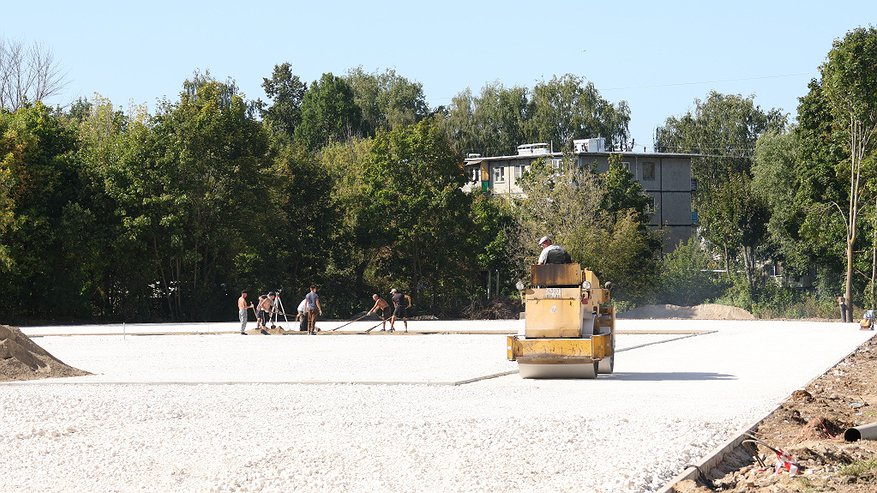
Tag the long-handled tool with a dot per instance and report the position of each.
(373, 328)
(258, 323)
(350, 322)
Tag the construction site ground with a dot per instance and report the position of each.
(810, 426)
(438, 409)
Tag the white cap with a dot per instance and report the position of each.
(393, 290)
(543, 240)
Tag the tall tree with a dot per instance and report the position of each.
(566, 202)
(27, 74)
(418, 212)
(849, 81)
(387, 99)
(567, 108)
(190, 192)
(39, 188)
(777, 182)
(328, 113)
(286, 92)
(723, 129)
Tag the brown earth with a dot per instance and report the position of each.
(23, 359)
(708, 311)
(810, 425)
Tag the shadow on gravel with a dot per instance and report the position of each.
(656, 376)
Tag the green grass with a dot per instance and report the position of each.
(859, 468)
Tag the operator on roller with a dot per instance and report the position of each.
(551, 253)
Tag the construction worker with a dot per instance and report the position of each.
(272, 311)
(313, 308)
(242, 311)
(382, 308)
(401, 303)
(551, 253)
(302, 315)
(263, 310)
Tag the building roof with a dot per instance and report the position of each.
(477, 160)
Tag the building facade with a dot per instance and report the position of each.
(665, 177)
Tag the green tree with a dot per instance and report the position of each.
(775, 180)
(39, 187)
(820, 190)
(299, 220)
(493, 231)
(286, 92)
(685, 277)
(189, 191)
(353, 248)
(566, 202)
(567, 108)
(723, 129)
(111, 147)
(418, 214)
(387, 99)
(328, 113)
(623, 192)
(849, 83)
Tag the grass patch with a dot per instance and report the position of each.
(859, 468)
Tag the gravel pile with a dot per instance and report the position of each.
(22, 359)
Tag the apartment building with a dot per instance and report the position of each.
(665, 177)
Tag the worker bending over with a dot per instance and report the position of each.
(382, 308)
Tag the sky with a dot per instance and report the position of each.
(658, 56)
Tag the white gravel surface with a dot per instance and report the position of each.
(667, 405)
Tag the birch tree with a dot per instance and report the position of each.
(850, 86)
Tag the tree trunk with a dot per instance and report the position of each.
(848, 293)
(747, 265)
(873, 255)
(856, 154)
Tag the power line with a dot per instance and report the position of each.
(693, 83)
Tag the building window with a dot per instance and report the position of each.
(475, 173)
(625, 165)
(650, 206)
(499, 174)
(648, 172)
(519, 172)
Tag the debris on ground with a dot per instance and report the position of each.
(809, 427)
(495, 309)
(23, 359)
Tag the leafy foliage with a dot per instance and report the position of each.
(685, 277)
(328, 113)
(566, 202)
(387, 100)
(287, 92)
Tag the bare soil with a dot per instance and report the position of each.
(708, 311)
(810, 425)
(23, 359)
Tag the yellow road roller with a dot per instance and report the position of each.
(569, 332)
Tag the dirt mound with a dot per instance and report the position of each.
(22, 359)
(707, 311)
(495, 309)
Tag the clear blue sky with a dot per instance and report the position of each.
(658, 56)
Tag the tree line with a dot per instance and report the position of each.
(354, 183)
